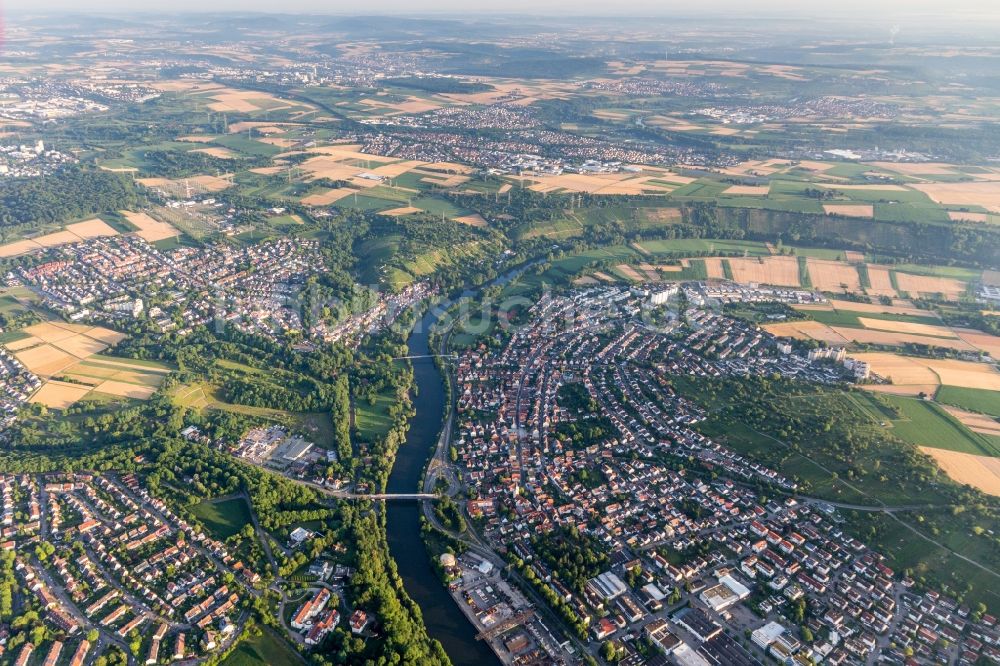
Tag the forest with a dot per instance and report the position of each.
(70, 193)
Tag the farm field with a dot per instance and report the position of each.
(918, 372)
(66, 357)
(979, 423)
(71, 233)
(975, 400)
(982, 472)
(926, 424)
(149, 229)
(179, 187)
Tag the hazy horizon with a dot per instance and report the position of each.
(855, 8)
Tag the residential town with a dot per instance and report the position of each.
(16, 386)
(106, 564)
(572, 427)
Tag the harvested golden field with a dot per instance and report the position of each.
(50, 331)
(73, 233)
(328, 197)
(863, 188)
(445, 181)
(834, 276)
(54, 346)
(45, 360)
(950, 288)
(911, 390)
(755, 168)
(231, 100)
(91, 229)
(23, 343)
(59, 395)
(961, 216)
(58, 351)
(411, 105)
(604, 183)
(981, 341)
(902, 370)
(17, 248)
(806, 330)
(342, 152)
(474, 220)
(907, 327)
(185, 85)
(774, 270)
(981, 472)
(125, 390)
(850, 210)
(178, 188)
(630, 273)
(197, 138)
(851, 306)
(748, 190)
(396, 169)
(604, 277)
(80, 346)
(918, 168)
(713, 266)
(876, 337)
(905, 370)
(975, 422)
(978, 193)
(881, 282)
(149, 229)
(854, 257)
(606, 114)
(104, 335)
(217, 152)
(396, 212)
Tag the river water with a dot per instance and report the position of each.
(444, 619)
(442, 616)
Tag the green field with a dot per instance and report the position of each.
(925, 424)
(268, 649)
(973, 400)
(222, 518)
(682, 245)
(850, 318)
(317, 426)
(929, 564)
(373, 421)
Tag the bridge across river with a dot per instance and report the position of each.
(383, 496)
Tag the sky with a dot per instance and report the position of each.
(549, 7)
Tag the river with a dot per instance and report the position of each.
(442, 616)
(444, 619)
